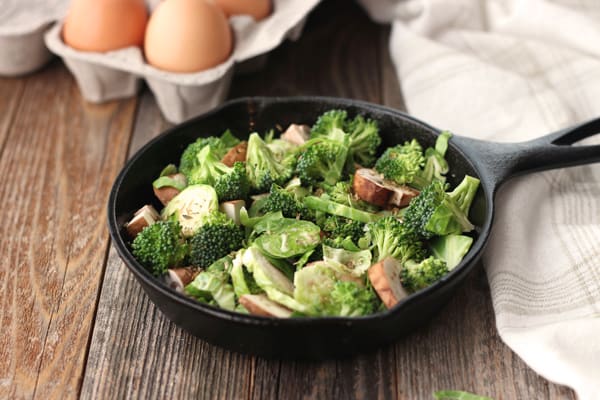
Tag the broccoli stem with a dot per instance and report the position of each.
(331, 207)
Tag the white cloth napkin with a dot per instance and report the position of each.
(509, 71)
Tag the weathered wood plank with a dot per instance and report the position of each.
(58, 163)
(11, 92)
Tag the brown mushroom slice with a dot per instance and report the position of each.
(385, 279)
(236, 153)
(232, 209)
(150, 210)
(296, 134)
(166, 192)
(402, 195)
(260, 304)
(142, 218)
(179, 278)
(369, 186)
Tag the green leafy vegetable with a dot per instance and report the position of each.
(458, 395)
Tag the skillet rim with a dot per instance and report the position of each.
(259, 102)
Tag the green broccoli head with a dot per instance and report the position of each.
(391, 238)
(220, 146)
(160, 246)
(401, 163)
(340, 228)
(434, 213)
(418, 275)
(321, 161)
(217, 237)
(330, 125)
(348, 299)
(364, 140)
(233, 185)
(208, 169)
(262, 167)
(283, 200)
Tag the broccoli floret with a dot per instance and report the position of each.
(348, 299)
(321, 160)
(401, 163)
(160, 246)
(436, 166)
(434, 213)
(230, 183)
(262, 167)
(391, 238)
(208, 168)
(418, 275)
(330, 125)
(234, 185)
(364, 140)
(464, 193)
(342, 228)
(220, 145)
(217, 237)
(285, 201)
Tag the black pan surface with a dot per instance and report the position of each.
(315, 338)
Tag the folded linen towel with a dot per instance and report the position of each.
(512, 70)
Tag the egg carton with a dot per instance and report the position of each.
(22, 27)
(119, 74)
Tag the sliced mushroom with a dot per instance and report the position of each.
(402, 195)
(385, 279)
(236, 153)
(296, 134)
(370, 186)
(232, 209)
(179, 278)
(259, 304)
(142, 218)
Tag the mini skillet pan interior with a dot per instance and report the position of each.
(311, 338)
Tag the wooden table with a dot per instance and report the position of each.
(74, 323)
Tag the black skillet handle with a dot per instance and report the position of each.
(501, 161)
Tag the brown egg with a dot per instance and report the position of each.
(187, 36)
(258, 9)
(104, 25)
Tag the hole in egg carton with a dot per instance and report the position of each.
(180, 96)
(22, 27)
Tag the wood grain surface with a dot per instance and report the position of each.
(64, 336)
(58, 162)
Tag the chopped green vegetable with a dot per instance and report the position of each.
(418, 275)
(331, 207)
(216, 237)
(458, 395)
(262, 166)
(451, 248)
(391, 238)
(178, 182)
(213, 285)
(160, 246)
(306, 236)
(190, 206)
(435, 213)
(286, 237)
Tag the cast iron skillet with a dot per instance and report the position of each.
(493, 163)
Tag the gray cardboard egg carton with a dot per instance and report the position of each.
(119, 74)
(22, 27)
